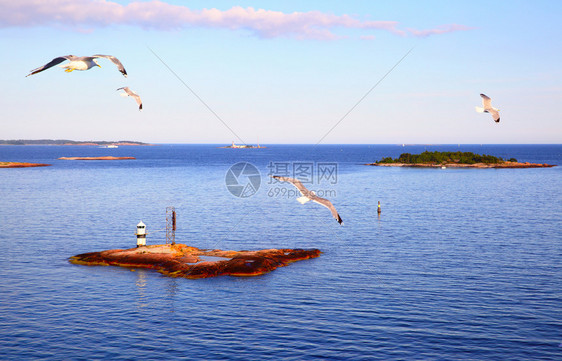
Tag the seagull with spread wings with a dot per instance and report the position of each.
(129, 93)
(79, 63)
(487, 108)
(310, 196)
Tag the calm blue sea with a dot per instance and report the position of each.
(461, 264)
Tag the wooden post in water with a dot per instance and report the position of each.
(379, 208)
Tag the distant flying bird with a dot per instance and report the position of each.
(310, 196)
(79, 63)
(487, 103)
(129, 93)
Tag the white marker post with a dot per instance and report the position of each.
(141, 234)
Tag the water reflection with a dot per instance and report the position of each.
(171, 292)
(143, 292)
(141, 288)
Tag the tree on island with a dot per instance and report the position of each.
(445, 157)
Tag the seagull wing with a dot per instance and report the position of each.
(115, 61)
(297, 183)
(127, 90)
(52, 63)
(326, 203)
(137, 99)
(495, 115)
(486, 101)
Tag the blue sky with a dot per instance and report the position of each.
(285, 71)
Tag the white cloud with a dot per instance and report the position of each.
(159, 15)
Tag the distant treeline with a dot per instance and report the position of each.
(445, 157)
(59, 142)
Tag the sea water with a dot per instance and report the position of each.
(461, 263)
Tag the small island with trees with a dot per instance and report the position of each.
(454, 160)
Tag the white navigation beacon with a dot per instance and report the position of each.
(141, 234)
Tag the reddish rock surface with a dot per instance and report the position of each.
(21, 165)
(180, 260)
(95, 158)
(463, 165)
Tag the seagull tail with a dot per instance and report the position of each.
(303, 199)
(479, 110)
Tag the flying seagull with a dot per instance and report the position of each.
(129, 93)
(487, 103)
(310, 196)
(79, 63)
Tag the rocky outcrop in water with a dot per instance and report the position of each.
(21, 165)
(180, 260)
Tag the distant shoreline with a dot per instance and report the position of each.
(71, 142)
